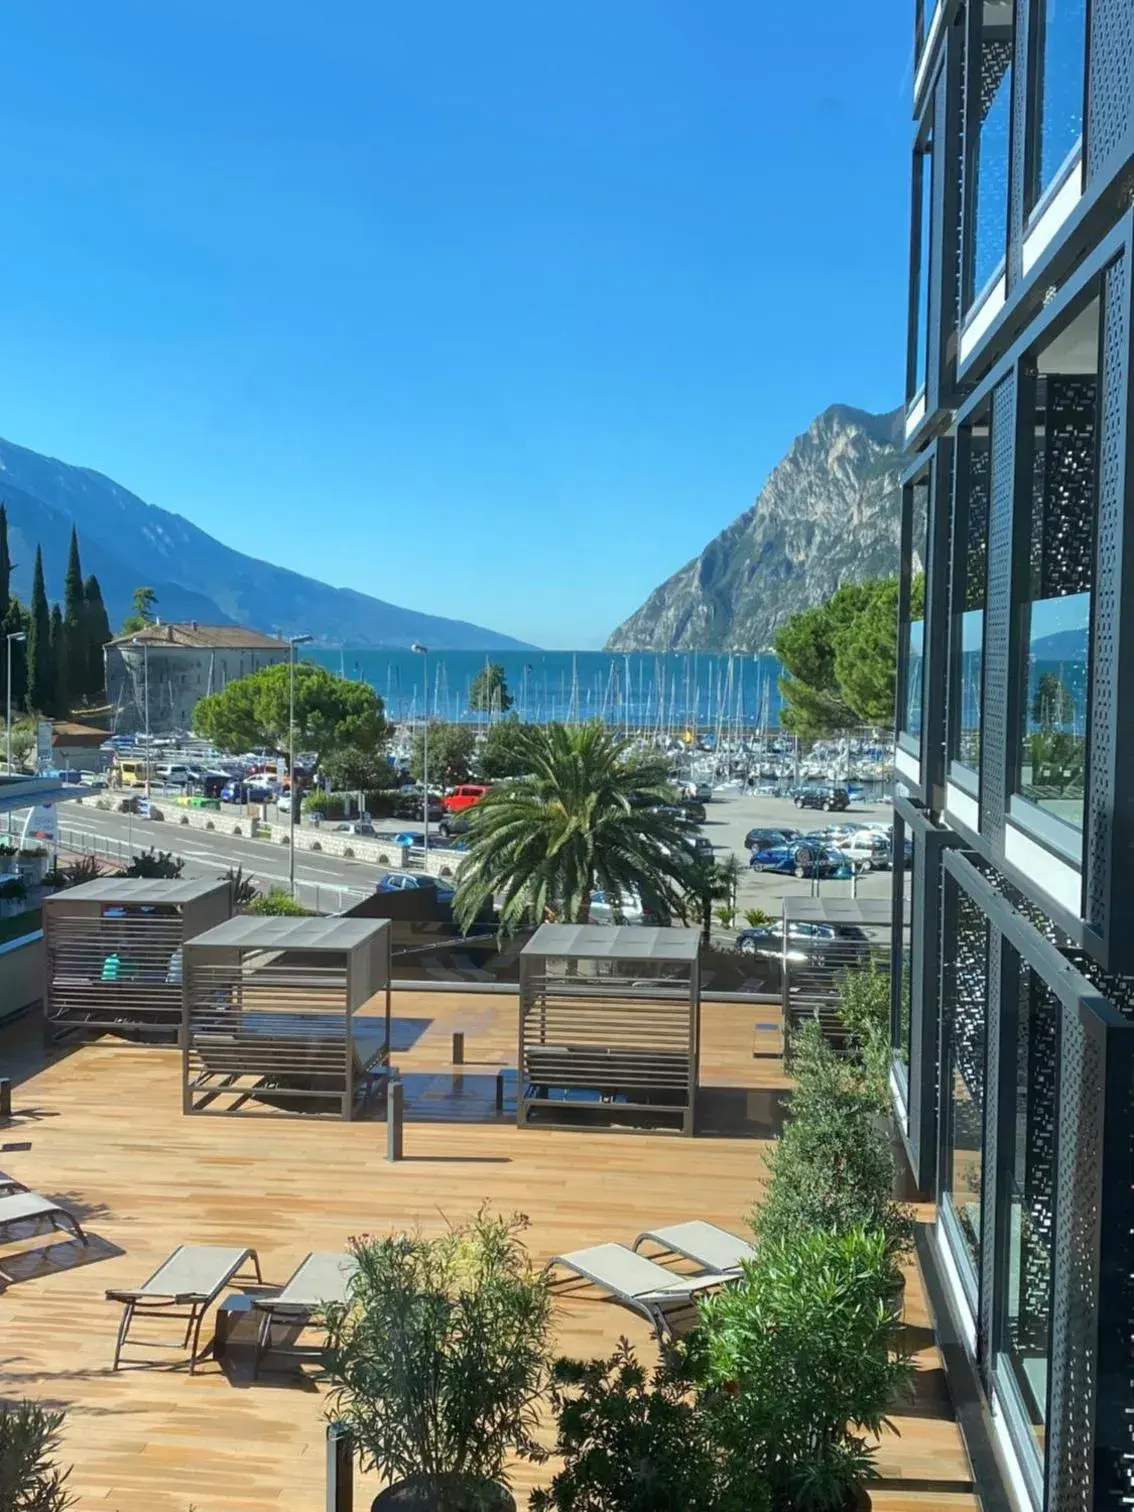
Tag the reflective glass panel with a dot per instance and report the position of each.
(1059, 104)
(967, 661)
(914, 631)
(924, 191)
(1056, 615)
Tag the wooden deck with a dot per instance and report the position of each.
(101, 1129)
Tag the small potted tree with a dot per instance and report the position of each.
(30, 1480)
(799, 1364)
(437, 1362)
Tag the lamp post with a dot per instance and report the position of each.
(423, 652)
(292, 641)
(16, 635)
(145, 645)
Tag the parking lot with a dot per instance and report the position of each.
(729, 817)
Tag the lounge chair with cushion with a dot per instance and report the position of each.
(638, 1283)
(22, 1206)
(192, 1278)
(9, 1184)
(321, 1277)
(710, 1247)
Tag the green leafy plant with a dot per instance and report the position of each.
(799, 1364)
(630, 1440)
(864, 1009)
(326, 805)
(30, 1480)
(244, 889)
(13, 890)
(440, 1356)
(277, 901)
(160, 865)
(833, 1166)
(725, 915)
(756, 918)
(82, 869)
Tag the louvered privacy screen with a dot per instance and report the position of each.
(114, 953)
(286, 1016)
(609, 1028)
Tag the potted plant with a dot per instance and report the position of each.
(632, 1441)
(833, 1166)
(29, 1477)
(799, 1364)
(32, 863)
(437, 1362)
(13, 896)
(7, 858)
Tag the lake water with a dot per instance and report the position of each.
(639, 689)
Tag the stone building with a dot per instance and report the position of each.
(180, 664)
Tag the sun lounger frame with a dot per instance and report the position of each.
(674, 1293)
(59, 1217)
(137, 1300)
(298, 1313)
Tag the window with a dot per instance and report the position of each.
(1057, 122)
(989, 144)
(915, 616)
(903, 875)
(1030, 1198)
(1056, 614)
(970, 547)
(922, 221)
(964, 982)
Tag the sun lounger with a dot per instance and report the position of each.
(9, 1184)
(22, 1206)
(320, 1278)
(710, 1247)
(192, 1278)
(638, 1283)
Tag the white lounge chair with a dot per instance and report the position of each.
(710, 1247)
(22, 1206)
(193, 1277)
(638, 1283)
(9, 1185)
(320, 1278)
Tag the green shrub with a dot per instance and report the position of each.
(30, 1481)
(799, 1365)
(244, 890)
(162, 865)
(439, 1358)
(631, 1442)
(833, 1166)
(13, 890)
(756, 918)
(277, 901)
(864, 1009)
(326, 805)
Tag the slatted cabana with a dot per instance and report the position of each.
(609, 1032)
(286, 1016)
(114, 952)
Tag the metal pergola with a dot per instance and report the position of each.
(610, 1026)
(114, 952)
(286, 1016)
(822, 940)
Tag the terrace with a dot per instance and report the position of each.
(99, 1127)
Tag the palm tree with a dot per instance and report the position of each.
(587, 816)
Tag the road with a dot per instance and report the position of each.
(325, 883)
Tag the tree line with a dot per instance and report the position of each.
(60, 662)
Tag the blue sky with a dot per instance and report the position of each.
(497, 310)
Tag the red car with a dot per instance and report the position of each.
(464, 797)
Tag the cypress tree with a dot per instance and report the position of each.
(60, 665)
(98, 633)
(73, 647)
(40, 692)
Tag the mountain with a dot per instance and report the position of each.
(1062, 645)
(828, 514)
(129, 543)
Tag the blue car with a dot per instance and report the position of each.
(800, 859)
(413, 882)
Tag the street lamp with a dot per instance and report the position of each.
(423, 652)
(16, 635)
(145, 645)
(292, 641)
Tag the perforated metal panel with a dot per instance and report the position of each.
(991, 1160)
(1075, 1300)
(1109, 554)
(1109, 81)
(997, 668)
(1017, 182)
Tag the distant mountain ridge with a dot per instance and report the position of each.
(828, 514)
(129, 543)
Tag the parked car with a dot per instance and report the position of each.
(451, 825)
(360, 827)
(629, 908)
(464, 797)
(701, 846)
(810, 947)
(701, 792)
(283, 803)
(413, 882)
(70, 776)
(760, 839)
(830, 799)
(799, 859)
(410, 805)
(867, 849)
(693, 810)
